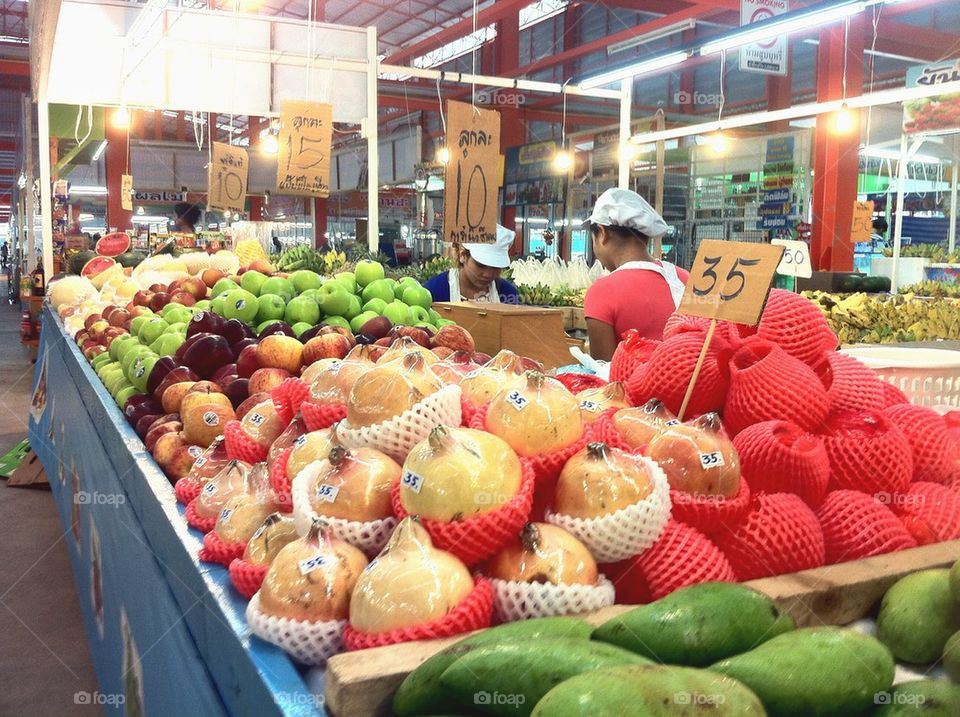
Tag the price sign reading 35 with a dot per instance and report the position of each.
(730, 280)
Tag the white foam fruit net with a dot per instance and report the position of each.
(514, 600)
(399, 435)
(311, 643)
(628, 531)
(368, 536)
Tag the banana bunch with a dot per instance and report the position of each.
(301, 257)
(333, 262)
(538, 295)
(429, 269)
(569, 297)
(937, 253)
(864, 318)
(936, 289)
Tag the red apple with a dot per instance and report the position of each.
(153, 435)
(113, 332)
(211, 277)
(81, 336)
(173, 396)
(174, 286)
(107, 311)
(385, 341)
(247, 361)
(176, 375)
(144, 423)
(88, 344)
(194, 286)
(142, 298)
(236, 389)
(454, 337)
(165, 418)
(417, 334)
(252, 400)
(345, 332)
(98, 330)
(93, 351)
(159, 300)
(182, 462)
(182, 297)
(280, 351)
(221, 373)
(166, 446)
(157, 287)
(266, 379)
(331, 345)
(90, 320)
(377, 327)
(137, 310)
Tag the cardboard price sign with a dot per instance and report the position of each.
(303, 163)
(796, 258)
(472, 175)
(731, 280)
(126, 192)
(862, 227)
(227, 178)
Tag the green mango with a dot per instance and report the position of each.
(921, 698)
(917, 615)
(814, 672)
(951, 657)
(420, 692)
(697, 625)
(510, 678)
(649, 691)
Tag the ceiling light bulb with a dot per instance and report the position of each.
(719, 143)
(269, 144)
(844, 120)
(140, 211)
(443, 155)
(121, 118)
(562, 160)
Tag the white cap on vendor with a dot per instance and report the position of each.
(497, 254)
(623, 208)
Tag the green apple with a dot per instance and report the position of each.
(354, 307)
(360, 319)
(140, 371)
(171, 308)
(110, 374)
(305, 279)
(101, 359)
(241, 304)
(434, 316)
(151, 330)
(132, 355)
(271, 307)
(375, 305)
(300, 327)
(402, 285)
(253, 281)
(179, 328)
(393, 285)
(302, 309)
(137, 321)
(117, 382)
(216, 306)
(378, 289)
(398, 313)
(117, 344)
(167, 344)
(431, 329)
(444, 322)
(348, 279)
(265, 324)
(126, 394)
(222, 287)
(334, 299)
(368, 272)
(107, 368)
(202, 305)
(417, 296)
(312, 294)
(279, 286)
(420, 315)
(336, 321)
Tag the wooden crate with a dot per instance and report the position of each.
(533, 331)
(363, 682)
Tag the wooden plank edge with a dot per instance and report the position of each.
(363, 682)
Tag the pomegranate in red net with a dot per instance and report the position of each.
(599, 480)
(538, 418)
(698, 457)
(386, 391)
(638, 426)
(312, 578)
(409, 583)
(594, 401)
(455, 367)
(505, 370)
(405, 345)
(262, 424)
(230, 481)
(291, 433)
(544, 553)
(310, 447)
(276, 532)
(934, 453)
(354, 485)
(457, 473)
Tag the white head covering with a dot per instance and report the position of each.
(497, 254)
(623, 208)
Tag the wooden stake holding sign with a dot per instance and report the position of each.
(303, 162)
(729, 281)
(471, 181)
(227, 178)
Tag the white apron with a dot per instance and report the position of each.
(492, 296)
(667, 271)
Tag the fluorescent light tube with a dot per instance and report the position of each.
(90, 191)
(99, 152)
(638, 68)
(658, 34)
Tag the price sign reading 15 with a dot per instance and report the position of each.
(730, 280)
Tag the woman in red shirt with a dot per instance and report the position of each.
(641, 292)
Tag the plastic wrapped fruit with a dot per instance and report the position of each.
(638, 426)
(262, 424)
(354, 484)
(698, 458)
(229, 482)
(291, 433)
(332, 385)
(275, 533)
(594, 401)
(457, 473)
(503, 371)
(310, 447)
(210, 461)
(408, 584)
(312, 579)
(241, 517)
(385, 392)
(544, 553)
(403, 346)
(538, 418)
(454, 368)
(600, 480)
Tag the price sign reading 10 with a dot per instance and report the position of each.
(730, 280)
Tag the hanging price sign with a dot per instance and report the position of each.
(731, 280)
(862, 227)
(796, 258)
(303, 162)
(126, 192)
(227, 178)
(472, 175)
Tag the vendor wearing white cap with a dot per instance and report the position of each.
(478, 276)
(642, 291)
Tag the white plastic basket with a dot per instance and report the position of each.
(929, 377)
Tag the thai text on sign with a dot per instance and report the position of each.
(303, 163)
(472, 175)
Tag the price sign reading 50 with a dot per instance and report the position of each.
(730, 280)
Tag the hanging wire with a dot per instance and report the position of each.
(563, 117)
(76, 128)
(723, 94)
(877, 10)
(443, 120)
(197, 137)
(473, 57)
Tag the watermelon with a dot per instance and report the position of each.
(129, 259)
(96, 265)
(851, 283)
(113, 244)
(78, 260)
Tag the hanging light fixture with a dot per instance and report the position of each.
(844, 120)
(268, 143)
(562, 160)
(719, 143)
(443, 155)
(121, 118)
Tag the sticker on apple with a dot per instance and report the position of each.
(257, 419)
(211, 418)
(195, 451)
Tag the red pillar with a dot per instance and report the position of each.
(256, 208)
(157, 124)
(779, 96)
(836, 156)
(181, 127)
(320, 221)
(115, 160)
(513, 131)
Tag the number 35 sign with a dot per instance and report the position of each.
(730, 280)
